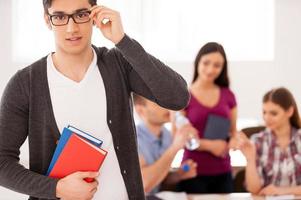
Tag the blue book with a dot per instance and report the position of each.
(59, 148)
(86, 136)
(67, 132)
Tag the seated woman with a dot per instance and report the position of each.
(274, 155)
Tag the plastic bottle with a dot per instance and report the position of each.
(181, 120)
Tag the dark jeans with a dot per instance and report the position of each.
(208, 184)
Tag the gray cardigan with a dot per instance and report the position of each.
(26, 111)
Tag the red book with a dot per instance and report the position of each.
(78, 155)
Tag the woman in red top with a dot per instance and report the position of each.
(210, 95)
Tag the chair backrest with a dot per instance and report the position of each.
(239, 181)
(252, 130)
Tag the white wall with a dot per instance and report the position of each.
(288, 51)
(6, 67)
(250, 80)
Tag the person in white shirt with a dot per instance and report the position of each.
(87, 87)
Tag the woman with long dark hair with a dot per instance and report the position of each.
(274, 155)
(210, 95)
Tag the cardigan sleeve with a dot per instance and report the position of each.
(14, 116)
(149, 77)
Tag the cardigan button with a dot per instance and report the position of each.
(124, 171)
(110, 121)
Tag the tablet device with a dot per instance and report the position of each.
(217, 127)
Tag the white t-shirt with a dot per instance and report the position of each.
(84, 106)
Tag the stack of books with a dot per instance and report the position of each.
(76, 151)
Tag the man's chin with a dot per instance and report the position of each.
(74, 50)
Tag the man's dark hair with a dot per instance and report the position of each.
(47, 4)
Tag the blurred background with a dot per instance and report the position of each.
(261, 39)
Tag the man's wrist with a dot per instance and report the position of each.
(174, 149)
(116, 42)
(179, 174)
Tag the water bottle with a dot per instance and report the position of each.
(181, 120)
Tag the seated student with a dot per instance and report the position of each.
(157, 147)
(273, 155)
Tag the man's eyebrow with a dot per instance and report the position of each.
(58, 13)
(81, 9)
(76, 11)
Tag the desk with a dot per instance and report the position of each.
(232, 196)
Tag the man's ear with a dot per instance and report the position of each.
(47, 21)
(139, 109)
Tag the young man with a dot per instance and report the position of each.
(157, 147)
(89, 88)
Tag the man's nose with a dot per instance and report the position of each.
(72, 26)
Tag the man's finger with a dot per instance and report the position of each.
(87, 174)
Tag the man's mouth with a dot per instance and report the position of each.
(73, 38)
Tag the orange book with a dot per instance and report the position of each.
(78, 155)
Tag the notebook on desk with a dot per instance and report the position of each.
(217, 127)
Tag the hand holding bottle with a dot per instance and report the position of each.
(181, 121)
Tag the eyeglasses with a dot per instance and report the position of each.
(63, 19)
